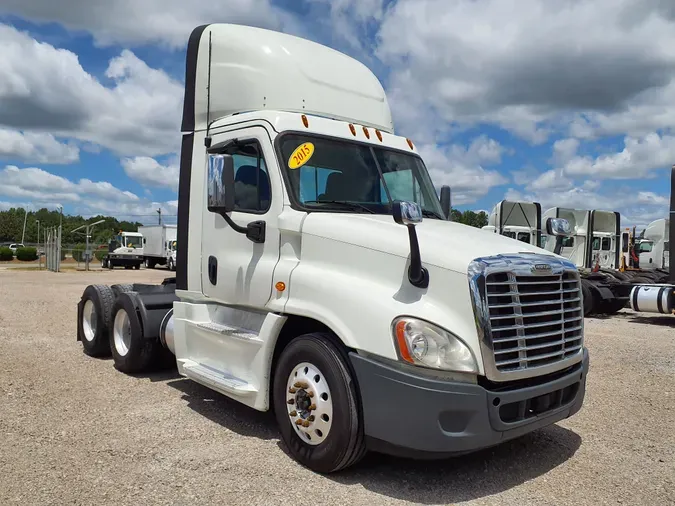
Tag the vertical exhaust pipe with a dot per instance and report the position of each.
(671, 225)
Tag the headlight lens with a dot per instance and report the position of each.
(422, 343)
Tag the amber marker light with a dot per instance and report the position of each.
(402, 344)
(365, 131)
(280, 286)
(305, 121)
(379, 135)
(353, 129)
(410, 143)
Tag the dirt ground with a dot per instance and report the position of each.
(73, 430)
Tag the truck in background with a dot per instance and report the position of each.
(159, 245)
(517, 220)
(654, 247)
(319, 275)
(124, 250)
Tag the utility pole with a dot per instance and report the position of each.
(88, 235)
(38, 246)
(159, 212)
(25, 216)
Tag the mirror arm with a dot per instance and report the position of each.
(255, 231)
(558, 244)
(417, 274)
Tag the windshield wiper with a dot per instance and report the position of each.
(351, 205)
(427, 212)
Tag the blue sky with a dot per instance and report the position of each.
(568, 103)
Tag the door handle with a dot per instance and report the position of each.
(213, 270)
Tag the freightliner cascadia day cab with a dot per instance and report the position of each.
(319, 277)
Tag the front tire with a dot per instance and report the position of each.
(316, 405)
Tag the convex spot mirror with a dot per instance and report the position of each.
(220, 184)
(407, 213)
(558, 227)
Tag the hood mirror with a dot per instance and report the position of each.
(410, 214)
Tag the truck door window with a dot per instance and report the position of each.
(606, 244)
(645, 247)
(568, 242)
(524, 237)
(596, 244)
(252, 188)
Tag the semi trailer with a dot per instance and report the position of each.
(159, 245)
(319, 275)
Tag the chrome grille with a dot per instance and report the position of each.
(529, 314)
(534, 320)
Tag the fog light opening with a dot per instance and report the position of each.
(496, 401)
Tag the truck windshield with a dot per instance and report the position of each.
(337, 175)
(133, 242)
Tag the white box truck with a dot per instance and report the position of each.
(159, 245)
(318, 275)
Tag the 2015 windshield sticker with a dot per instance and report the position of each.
(301, 155)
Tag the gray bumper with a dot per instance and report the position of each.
(406, 414)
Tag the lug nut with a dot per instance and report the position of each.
(299, 422)
(310, 393)
(293, 413)
(312, 407)
(292, 390)
(301, 384)
(305, 423)
(291, 401)
(311, 418)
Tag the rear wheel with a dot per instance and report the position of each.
(95, 320)
(588, 298)
(131, 352)
(316, 405)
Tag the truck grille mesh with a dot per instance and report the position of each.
(534, 320)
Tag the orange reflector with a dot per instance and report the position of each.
(379, 135)
(402, 344)
(280, 286)
(410, 143)
(353, 130)
(305, 121)
(365, 131)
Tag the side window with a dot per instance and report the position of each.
(524, 237)
(252, 189)
(568, 242)
(606, 244)
(596, 244)
(512, 235)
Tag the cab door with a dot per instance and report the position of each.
(235, 270)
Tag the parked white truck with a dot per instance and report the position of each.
(319, 277)
(125, 250)
(159, 245)
(654, 248)
(517, 220)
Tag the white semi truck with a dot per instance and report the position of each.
(159, 245)
(318, 275)
(125, 250)
(517, 220)
(654, 248)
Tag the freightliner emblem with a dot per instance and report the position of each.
(541, 269)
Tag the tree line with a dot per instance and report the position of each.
(472, 218)
(11, 226)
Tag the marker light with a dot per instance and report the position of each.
(424, 344)
(353, 129)
(305, 121)
(365, 131)
(410, 143)
(280, 286)
(379, 135)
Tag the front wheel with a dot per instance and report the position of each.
(316, 405)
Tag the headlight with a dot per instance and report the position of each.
(422, 343)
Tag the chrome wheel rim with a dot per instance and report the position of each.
(309, 403)
(122, 332)
(89, 320)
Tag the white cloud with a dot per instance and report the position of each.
(527, 65)
(458, 168)
(639, 158)
(130, 22)
(39, 185)
(552, 180)
(36, 147)
(150, 172)
(44, 88)
(564, 150)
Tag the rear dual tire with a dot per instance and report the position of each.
(334, 439)
(131, 352)
(95, 320)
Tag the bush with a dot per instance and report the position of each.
(100, 253)
(26, 254)
(63, 254)
(78, 252)
(6, 254)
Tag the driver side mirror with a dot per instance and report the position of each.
(220, 191)
(558, 227)
(409, 214)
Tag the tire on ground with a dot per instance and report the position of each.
(132, 353)
(588, 297)
(94, 331)
(121, 288)
(344, 444)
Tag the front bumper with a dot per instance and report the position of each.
(411, 415)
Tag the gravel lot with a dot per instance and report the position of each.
(75, 431)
